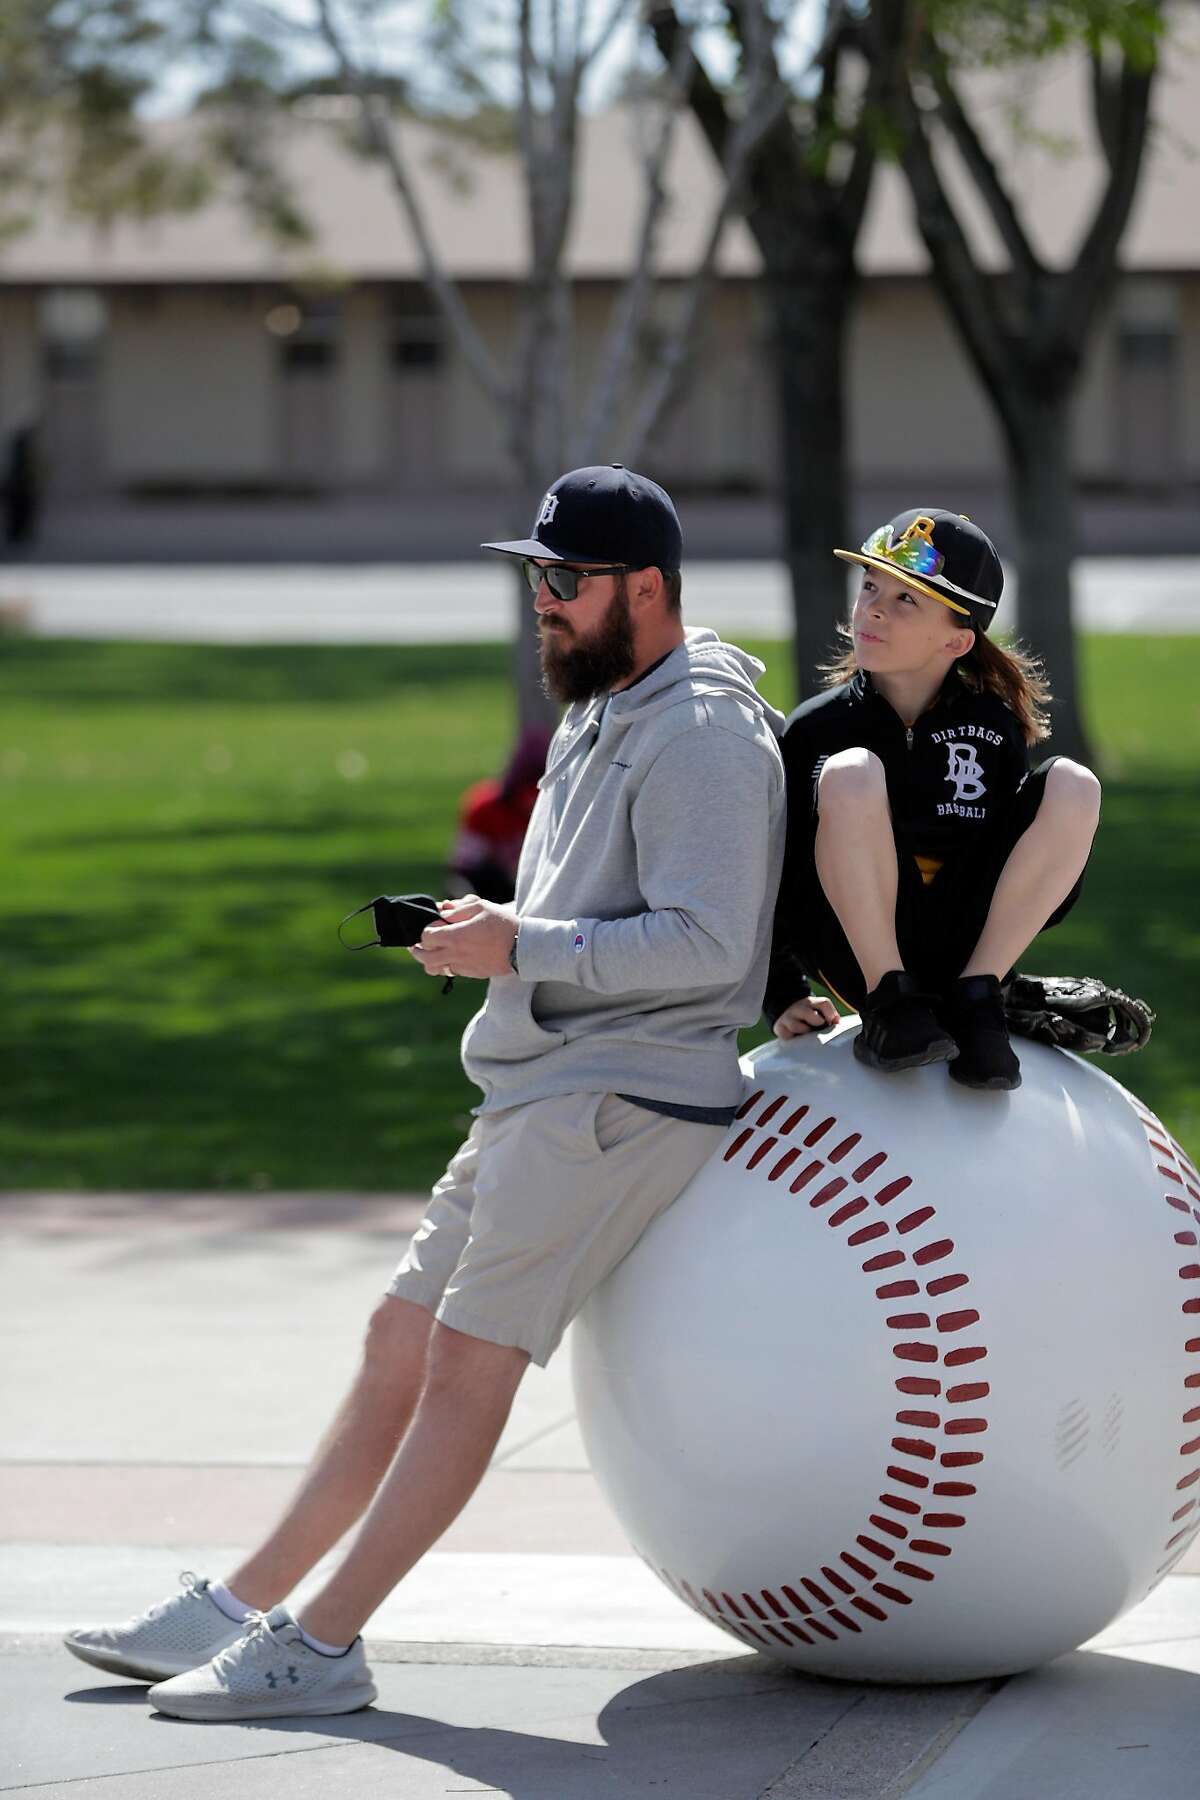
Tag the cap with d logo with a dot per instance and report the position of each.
(941, 554)
(603, 514)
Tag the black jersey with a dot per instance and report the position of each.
(951, 776)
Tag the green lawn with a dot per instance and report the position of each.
(183, 827)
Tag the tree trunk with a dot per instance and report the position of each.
(1038, 442)
(810, 312)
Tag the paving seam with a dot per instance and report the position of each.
(516, 1656)
(869, 1753)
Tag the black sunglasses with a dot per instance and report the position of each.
(563, 582)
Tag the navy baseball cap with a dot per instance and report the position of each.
(942, 554)
(603, 514)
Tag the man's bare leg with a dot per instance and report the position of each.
(351, 1459)
(1046, 862)
(467, 1397)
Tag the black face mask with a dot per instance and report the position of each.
(399, 919)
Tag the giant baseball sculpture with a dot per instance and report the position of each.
(906, 1384)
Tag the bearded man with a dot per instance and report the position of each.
(606, 1054)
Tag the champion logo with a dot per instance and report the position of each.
(580, 944)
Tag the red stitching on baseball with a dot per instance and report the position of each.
(944, 1284)
(869, 1167)
(869, 1607)
(898, 1504)
(806, 1174)
(764, 1149)
(869, 1232)
(911, 1351)
(909, 1476)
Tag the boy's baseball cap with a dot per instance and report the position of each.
(941, 554)
(604, 513)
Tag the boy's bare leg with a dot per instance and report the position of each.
(466, 1399)
(1044, 866)
(351, 1459)
(856, 858)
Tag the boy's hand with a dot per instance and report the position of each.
(809, 1014)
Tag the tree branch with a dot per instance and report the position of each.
(629, 312)
(381, 142)
(706, 102)
(984, 173)
(746, 140)
(1088, 283)
(965, 289)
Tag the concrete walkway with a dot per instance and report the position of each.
(169, 1362)
(382, 603)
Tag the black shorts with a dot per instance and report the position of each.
(938, 923)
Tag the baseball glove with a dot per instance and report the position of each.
(1077, 1012)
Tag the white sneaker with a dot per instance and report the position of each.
(270, 1673)
(167, 1639)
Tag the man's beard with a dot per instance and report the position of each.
(575, 671)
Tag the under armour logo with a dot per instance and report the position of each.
(273, 1679)
(549, 508)
(965, 772)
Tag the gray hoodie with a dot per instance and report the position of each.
(645, 893)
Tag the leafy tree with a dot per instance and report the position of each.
(72, 75)
(1027, 332)
(514, 74)
(805, 188)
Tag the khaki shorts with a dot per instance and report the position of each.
(537, 1206)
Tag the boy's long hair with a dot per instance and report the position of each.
(1013, 674)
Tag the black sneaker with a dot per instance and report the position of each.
(974, 1012)
(900, 1029)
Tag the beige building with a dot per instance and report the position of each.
(194, 355)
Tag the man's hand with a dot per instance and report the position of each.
(810, 1014)
(476, 939)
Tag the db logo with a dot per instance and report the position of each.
(965, 772)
